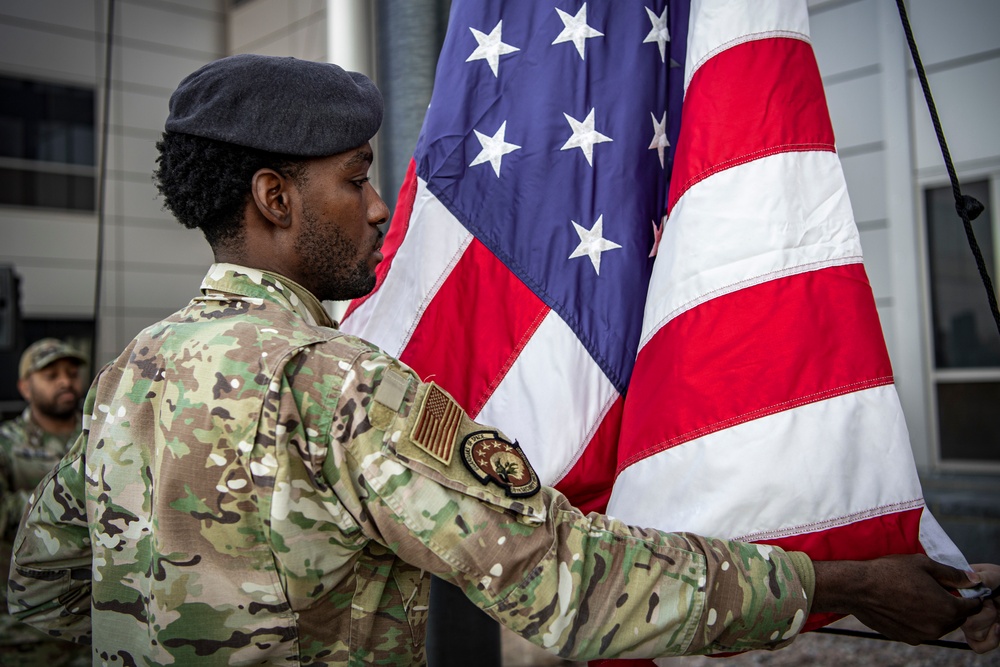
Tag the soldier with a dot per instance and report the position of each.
(30, 446)
(255, 486)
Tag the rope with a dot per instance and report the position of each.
(968, 207)
(944, 643)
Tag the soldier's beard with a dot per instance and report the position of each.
(60, 407)
(329, 261)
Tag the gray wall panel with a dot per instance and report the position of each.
(865, 176)
(876, 247)
(967, 100)
(856, 111)
(954, 29)
(845, 37)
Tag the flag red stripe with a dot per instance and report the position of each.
(397, 232)
(895, 533)
(758, 351)
(474, 328)
(751, 100)
(588, 483)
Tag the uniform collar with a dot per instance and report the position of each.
(29, 421)
(257, 284)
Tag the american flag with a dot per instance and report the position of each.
(668, 311)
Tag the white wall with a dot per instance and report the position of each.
(280, 28)
(152, 265)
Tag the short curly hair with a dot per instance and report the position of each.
(205, 183)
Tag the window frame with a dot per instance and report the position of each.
(934, 375)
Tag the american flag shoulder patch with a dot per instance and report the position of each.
(437, 424)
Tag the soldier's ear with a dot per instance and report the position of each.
(272, 194)
(24, 387)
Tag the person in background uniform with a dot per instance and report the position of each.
(30, 446)
(254, 486)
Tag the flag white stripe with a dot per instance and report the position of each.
(729, 232)
(784, 490)
(552, 399)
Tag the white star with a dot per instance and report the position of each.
(584, 136)
(575, 29)
(490, 47)
(657, 235)
(659, 136)
(494, 148)
(659, 34)
(593, 243)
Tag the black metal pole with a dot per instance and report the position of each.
(459, 634)
(102, 178)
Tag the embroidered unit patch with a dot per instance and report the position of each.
(436, 425)
(492, 458)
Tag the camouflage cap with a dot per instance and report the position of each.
(43, 352)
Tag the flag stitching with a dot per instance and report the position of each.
(750, 37)
(509, 363)
(742, 284)
(434, 290)
(752, 415)
(747, 158)
(813, 526)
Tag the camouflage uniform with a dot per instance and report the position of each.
(27, 454)
(256, 487)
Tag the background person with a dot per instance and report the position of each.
(30, 446)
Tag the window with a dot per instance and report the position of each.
(47, 153)
(966, 343)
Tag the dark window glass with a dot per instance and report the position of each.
(967, 420)
(47, 122)
(19, 187)
(52, 125)
(965, 335)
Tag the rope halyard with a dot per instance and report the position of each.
(968, 207)
(943, 643)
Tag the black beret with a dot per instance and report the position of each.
(280, 105)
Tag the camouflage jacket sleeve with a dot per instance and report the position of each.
(452, 497)
(51, 567)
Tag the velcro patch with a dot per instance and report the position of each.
(437, 423)
(492, 458)
(392, 389)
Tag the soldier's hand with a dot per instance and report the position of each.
(982, 630)
(906, 598)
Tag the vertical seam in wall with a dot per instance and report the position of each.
(118, 105)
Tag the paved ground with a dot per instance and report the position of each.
(813, 650)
